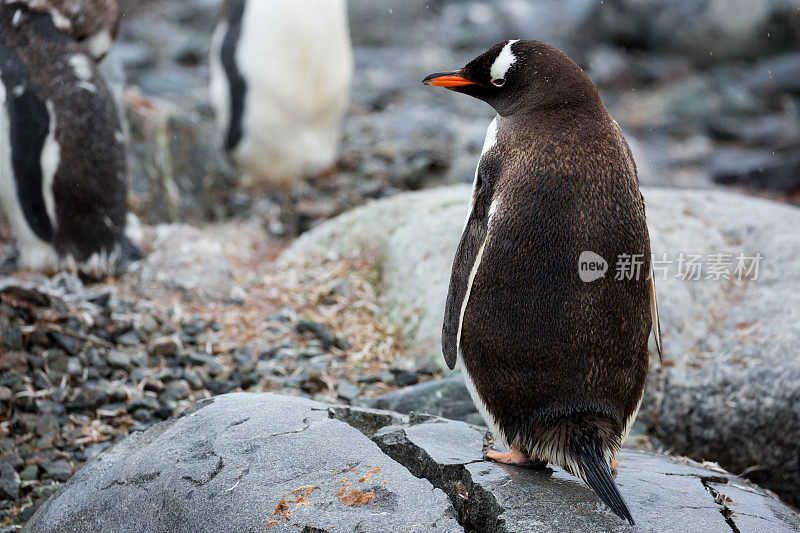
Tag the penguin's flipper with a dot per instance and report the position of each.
(654, 315)
(237, 86)
(465, 267)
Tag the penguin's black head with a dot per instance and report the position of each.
(519, 76)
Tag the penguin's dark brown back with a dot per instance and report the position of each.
(567, 187)
(559, 364)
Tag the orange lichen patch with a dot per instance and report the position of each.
(283, 511)
(356, 497)
(369, 475)
(350, 496)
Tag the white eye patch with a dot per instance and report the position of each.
(500, 67)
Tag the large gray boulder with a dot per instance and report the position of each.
(731, 368)
(246, 462)
(262, 462)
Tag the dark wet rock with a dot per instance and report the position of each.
(778, 74)
(243, 462)
(147, 403)
(729, 371)
(9, 481)
(70, 343)
(164, 347)
(27, 292)
(29, 473)
(447, 397)
(59, 470)
(405, 378)
(347, 391)
(118, 359)
(319, 331)
(760, 170)
(768, 131)
(130, 338)
(664, 494)
(708, 31)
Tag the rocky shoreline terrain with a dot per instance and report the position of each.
(227, 300)
(254, 462)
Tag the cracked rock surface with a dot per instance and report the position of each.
(730, 346)
(663, 494)
(247, 462)
(263, 462)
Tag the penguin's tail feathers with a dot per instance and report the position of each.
(584, 444)
(591, 465)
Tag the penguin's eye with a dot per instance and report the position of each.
(498, 82)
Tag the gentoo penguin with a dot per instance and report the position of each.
(555, 365)
(280, 83)
(94, 23)
(62, 158)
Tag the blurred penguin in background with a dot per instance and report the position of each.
(63, 183)
(93, 23)
(280, 83)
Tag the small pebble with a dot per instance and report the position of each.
(347, 391)
(404, 379)
(164, 347)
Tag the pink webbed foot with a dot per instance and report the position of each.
(516, 458)
(614, 464)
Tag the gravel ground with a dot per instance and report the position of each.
(84, 365)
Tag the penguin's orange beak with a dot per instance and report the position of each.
(447, 79)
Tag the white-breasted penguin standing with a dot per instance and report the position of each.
(280, 83)
(63, 183)
(556, 365)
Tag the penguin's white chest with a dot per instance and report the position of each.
(489, 143)
(35, 253)
(296, 60)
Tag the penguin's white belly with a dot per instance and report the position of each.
(297, 62)
(35, 254)
(219, 88)
(488, 418)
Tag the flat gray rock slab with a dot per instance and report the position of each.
(247, 462)
(664, 494)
